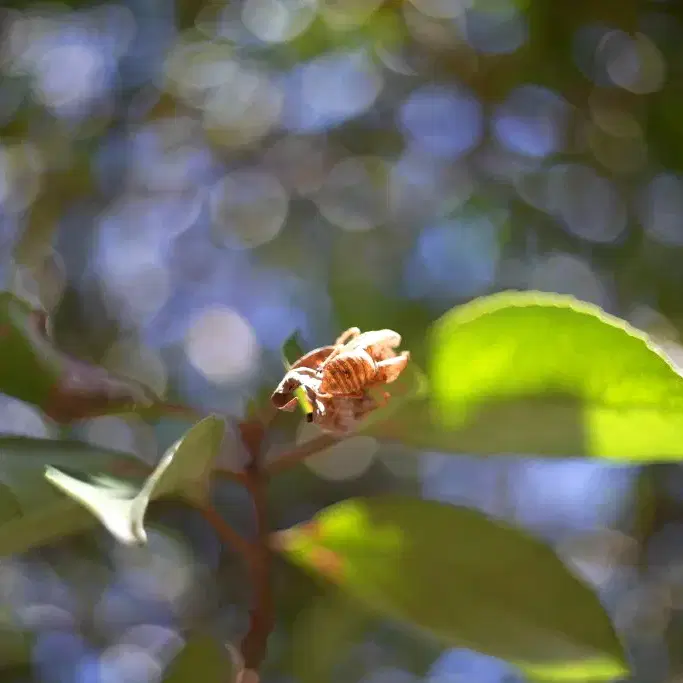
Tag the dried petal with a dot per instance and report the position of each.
(313, 359)
(389, 370)
(341, 414)
(380, 344)
(347, 335)
(283, 397)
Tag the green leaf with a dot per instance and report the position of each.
(32, 512)
(468, 580)
(545, 374)
(291, 352)
(183, 471)
(65, 388)
(322, 635)
(202, 658)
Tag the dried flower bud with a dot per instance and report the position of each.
(336, 378)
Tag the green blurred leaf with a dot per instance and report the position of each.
(546, 374)
(202, 658)
(33, 512)
(15, 644)
(468, 580)
(65, 388)
(184, 470)
(323, 634)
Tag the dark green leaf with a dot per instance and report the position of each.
(466, 579)
(32, 511)
(183, 471)
(291, 352)
(533, 373)
(203, 658)
(65, 388)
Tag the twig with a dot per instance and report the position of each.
(230, 475)
(291, 458)
(261, 616)
(228, 535)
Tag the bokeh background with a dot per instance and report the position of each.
(184, 184)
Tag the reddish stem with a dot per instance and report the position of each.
(262, 614)
(227, 534)
(293, 457)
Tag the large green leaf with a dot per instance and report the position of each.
(546, 374)
(65, 388)
(184, 471)
(32, 512)
(202, 658)
(466, 579)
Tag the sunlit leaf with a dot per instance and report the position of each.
(64, 388)
(468, 580)
(32, 511)
(202, 658)
(545, 374)
(183, 471)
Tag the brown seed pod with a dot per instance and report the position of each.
(337, 378)
(348, 373)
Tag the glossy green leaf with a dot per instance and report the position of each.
(468, 580)
(545, 374)
(32, 512)
(63, 387)
(183, 471)
(202, 658)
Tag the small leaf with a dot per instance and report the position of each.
(202, 658)
(545, 374)
(184, 471)
(468, 580)
(65, 388)
(291, 352)
(32, 511)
